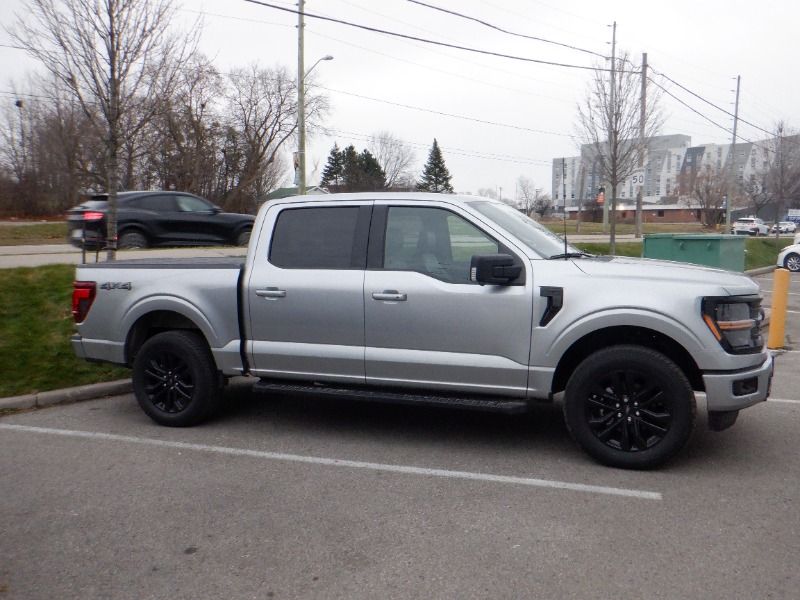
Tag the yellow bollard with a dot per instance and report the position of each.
(780, 301)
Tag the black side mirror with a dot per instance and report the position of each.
(215, 210)
(493, 269)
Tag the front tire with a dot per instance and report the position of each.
(792, 262)
(629, 407)
(175, 379)
(243, 238)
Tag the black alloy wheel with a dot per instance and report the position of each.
(168, 382)
(626, 412)
(175, 379)
(629, 407)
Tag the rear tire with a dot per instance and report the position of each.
(629, 407)
(175, 379)
(132, 239)
(792, 262)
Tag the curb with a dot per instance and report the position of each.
(761, 270)
(73, 394)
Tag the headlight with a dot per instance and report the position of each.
(736, 322)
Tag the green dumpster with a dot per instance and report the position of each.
(713, 250)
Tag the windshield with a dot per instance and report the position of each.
(538, 238)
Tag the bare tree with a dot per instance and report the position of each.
(783, 169)
(115, 56)
(395, 158)
(609, 119)
(261, 108)
(709, 190)
(755, 191)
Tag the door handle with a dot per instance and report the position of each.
(391, 295)
(271, 292)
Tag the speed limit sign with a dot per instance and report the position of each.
(637, 178)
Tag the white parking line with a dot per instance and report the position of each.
(785, 401)
(335, 462)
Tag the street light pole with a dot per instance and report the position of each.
(301, 100)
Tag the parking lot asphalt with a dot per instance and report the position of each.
(285, 498)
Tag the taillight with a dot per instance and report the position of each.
(92, 215)
(83, 293)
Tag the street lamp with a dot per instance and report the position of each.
(301, 119)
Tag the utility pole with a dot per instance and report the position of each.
(301, 102)
(582, 190)
(729, 201)
(642, 114)
(612, 114)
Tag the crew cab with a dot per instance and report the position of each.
(441, 300)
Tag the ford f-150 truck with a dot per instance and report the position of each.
(437, 299)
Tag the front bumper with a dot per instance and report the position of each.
(739, 389)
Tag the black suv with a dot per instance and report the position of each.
(157, 219)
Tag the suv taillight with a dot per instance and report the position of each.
(92, 215)
(83, 293)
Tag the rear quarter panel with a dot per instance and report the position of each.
(205, 296)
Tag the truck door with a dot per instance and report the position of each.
(427, 325)
(306, 293)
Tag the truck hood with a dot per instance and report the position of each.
(647, 269)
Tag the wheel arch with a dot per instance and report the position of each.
(625, 334)
(154, 322)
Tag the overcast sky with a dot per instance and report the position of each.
(701, 45)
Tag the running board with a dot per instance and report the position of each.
(481, 403)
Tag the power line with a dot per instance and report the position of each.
(495, 27)
(428, 41)
(494, 86)
(445, 114)
(699, 97)
(457, 151)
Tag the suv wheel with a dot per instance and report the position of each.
(132, 239)
(243, 238)
(629, 407)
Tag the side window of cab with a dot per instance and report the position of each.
(320, 238)
(434, 242)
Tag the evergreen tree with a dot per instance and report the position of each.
(373, 176)
(333, 173)
(361, 172)
(435, 177)
(351, 173)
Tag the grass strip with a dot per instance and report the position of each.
(35, 329)
(34, 235)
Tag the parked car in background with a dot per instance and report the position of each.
(784, 227)
(157, 218)
(749, 226)
(789, 258)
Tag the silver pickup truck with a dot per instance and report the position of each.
(442, 300)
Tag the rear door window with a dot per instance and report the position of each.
(316, 238)
(154, 203)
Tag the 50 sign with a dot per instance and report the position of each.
(637, 178)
